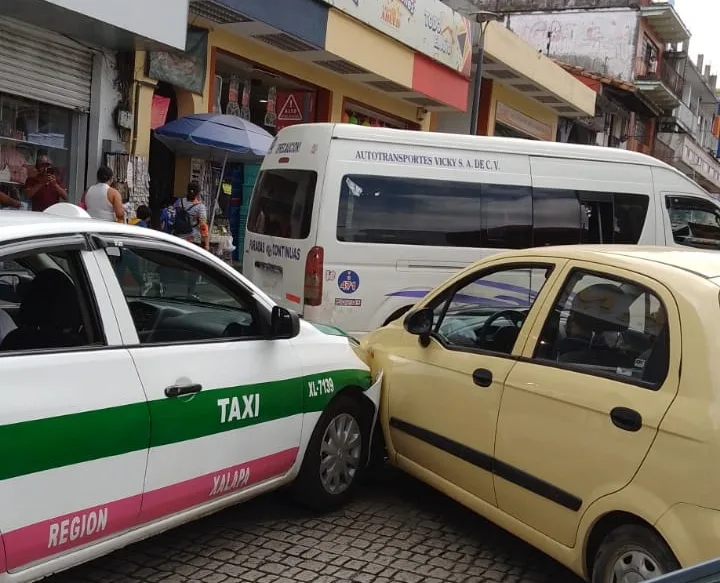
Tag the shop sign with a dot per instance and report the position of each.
(294, 107)
(428, 26)
(183, 69)
(523, 123)
(158, 115)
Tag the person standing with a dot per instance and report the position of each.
(102, 201)
(190, 220)
(42, 188)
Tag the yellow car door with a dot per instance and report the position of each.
(582, 406)
(443, 388)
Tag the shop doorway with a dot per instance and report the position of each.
(161, 162)
(272, 101)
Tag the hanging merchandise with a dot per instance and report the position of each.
(232, 107)
(245, 110)
(353, 118)
(270, 115)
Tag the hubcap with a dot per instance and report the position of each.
(634, 566)
(340, 452)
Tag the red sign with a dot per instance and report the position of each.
(295, 107)
(159, 111)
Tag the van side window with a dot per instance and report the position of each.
(408, 211)
(282, 203)
(695, 222)
(569, 217)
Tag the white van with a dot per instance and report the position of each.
(351, 225)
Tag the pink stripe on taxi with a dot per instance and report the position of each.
(62, 533)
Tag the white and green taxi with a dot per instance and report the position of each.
(145, 383)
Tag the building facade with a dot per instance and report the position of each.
(629, 40)
(688, 137)
(59, 93)
(296, 61)
(523, 93)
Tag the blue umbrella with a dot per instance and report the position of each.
(202, 135)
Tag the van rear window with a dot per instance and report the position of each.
(282, 203)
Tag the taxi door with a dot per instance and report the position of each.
(74, 421)
(444, 395)
(575, 425)
(225, 404)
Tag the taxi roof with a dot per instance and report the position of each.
(26, 224)
(705, 264)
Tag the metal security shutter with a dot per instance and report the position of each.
(42, 65)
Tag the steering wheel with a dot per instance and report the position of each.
(517, 319)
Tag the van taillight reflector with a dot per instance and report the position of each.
(314, 276)
(284, 160)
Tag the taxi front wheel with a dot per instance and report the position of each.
(335, 457)
(632, 553)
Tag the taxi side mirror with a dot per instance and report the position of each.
(420, 323)
(284, 323)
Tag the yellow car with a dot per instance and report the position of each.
(572, 396)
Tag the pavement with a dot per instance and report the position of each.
(396, 529)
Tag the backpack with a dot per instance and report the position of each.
(183, 224)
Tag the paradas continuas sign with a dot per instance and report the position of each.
(464, 162)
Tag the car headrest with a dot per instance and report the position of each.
(50, 302)
(602, 307)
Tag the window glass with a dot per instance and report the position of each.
(630, 214)
(556, 217)
(568, 217)
(507, 215)
(488, 312)
(695, 222)
(45, 304)
(282, 203)
(407, 211)
(172, 299)
(607, 326)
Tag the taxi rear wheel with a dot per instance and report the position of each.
(630, 554)
(336, 455)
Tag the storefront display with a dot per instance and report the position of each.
(31, 131)
(355, 113)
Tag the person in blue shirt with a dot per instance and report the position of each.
(143, 215)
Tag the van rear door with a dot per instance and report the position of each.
(279, 237)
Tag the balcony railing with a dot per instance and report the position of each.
(662, 72)
(663, 152)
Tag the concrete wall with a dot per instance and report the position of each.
(105, 97)
(603, 41)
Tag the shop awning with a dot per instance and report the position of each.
(126, 25)
(514, 63)
(318, 34)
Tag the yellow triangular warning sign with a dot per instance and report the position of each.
(290, 110)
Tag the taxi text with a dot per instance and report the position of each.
(229, 481)
(77, 527)
(231, 408)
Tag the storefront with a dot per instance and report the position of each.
(518, 117)
(359, 114)
(523, 93)
(44, 100)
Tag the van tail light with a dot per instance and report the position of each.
(314, 266)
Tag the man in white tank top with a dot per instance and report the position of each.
(102, 201)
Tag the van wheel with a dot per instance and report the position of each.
(336, 455)
(396, 314)
(630, 554)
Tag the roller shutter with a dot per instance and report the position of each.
(43, 65)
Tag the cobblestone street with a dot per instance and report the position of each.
(396, 530)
